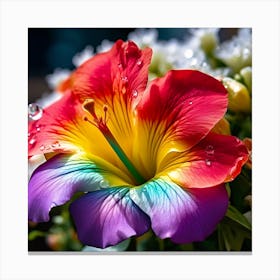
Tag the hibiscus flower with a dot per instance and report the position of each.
(142, 156)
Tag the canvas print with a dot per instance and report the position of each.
(139, 139)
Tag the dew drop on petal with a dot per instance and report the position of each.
(47, 147)
(208, 162)
(32, 141)
(210, 150)
(125, 79)
(35, 112)
(55, 145)
(190, 102)
(139, 62)
(135, 93)
(38, 128)
(42, 147)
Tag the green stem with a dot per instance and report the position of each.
(139, 179)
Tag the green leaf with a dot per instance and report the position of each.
(35, 234)
(232, 235)
(236, 216)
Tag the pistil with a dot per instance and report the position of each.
(101, 124)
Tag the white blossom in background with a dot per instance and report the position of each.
(144, 37)
(105, 46)
(83, 56)
(58, 76)
(237, 52)
(187, 54)
(48, 98)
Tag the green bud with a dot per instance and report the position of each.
(239, 99)
(246, 74)
(208, 42)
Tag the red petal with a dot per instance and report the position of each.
(122, 70)
(187, 102)
(51, 132)
(214, 160)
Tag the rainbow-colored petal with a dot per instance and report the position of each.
(107, 217)
(141, 156)
(182, 215)
(54, 182)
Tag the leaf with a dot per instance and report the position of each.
(35, 234)
(231, 236)
(236, 216)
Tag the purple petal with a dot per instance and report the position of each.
(107, 217)
(183, 216)
(54, 182)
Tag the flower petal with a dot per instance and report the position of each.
(55, 130)
(115, 79)
(183, 216)
(121, 71)
(185, 104)
(107, 217)
(62, 129)
(214, 160)
(54, 182)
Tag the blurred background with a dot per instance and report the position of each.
(52, 48)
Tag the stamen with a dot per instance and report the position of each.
(89, 107)
(105, 109)
(101, 124)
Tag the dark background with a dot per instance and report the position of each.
(51, 48)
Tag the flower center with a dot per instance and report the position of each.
(101, 124)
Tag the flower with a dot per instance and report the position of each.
(237, 52)
(140, 156)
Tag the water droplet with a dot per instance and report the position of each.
(139, 62)
(208, 162)
(42, 147)
(32, 141)
(135, 93)
(104, 184)
(55, 145)
(35, 112)
(47, 147)
(190, 102)
(125, 79)
(38, 128)
(210, 150)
